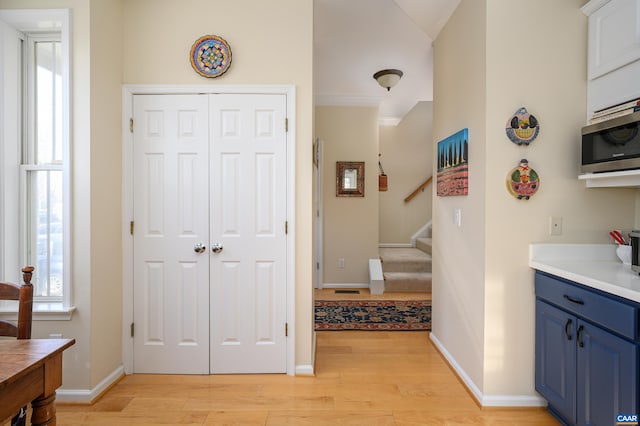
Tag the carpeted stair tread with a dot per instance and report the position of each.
(424, 244)
(405, 260)
(407, 281)
(406, 269)
(402, 253)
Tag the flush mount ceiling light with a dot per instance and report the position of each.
(388, 78)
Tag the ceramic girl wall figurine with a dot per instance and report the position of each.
(523, 181)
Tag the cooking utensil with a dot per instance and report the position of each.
(617, 237)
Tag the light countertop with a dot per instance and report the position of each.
(593, 265)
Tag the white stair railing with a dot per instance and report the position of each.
(425, 231)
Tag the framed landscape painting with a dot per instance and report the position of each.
(453, 164)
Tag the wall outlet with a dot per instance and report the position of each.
(341, 262)
(555, 225)
(55, 335)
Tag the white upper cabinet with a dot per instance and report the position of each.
(614, 52)
(613, 70)
(614, 36)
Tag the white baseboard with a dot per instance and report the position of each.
(456, 367)
(89, 395)
(394, 245)
(345, 285)
(308, 370)
(513, 401)
(304, 370)
(487, 400)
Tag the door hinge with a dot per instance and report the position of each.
(131, 227)
(133, 329)
(131, 125)
(286, 227)
(286, 124)
(318, 266)
(286, 329)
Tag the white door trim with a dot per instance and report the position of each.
(318, 212)
(128, 91)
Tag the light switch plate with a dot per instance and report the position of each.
(457, 217)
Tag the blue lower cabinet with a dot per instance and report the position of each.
(556, 359)
(588, 373)
(607, 376)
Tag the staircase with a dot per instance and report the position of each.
(407, 269)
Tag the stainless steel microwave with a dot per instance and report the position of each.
(612, 145)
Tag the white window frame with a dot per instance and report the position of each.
(31, 22)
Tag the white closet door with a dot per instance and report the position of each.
(210, 170)
(171, 211)
(248, 215)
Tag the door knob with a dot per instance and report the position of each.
(199, 248)
(216, 248)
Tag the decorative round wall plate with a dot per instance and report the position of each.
(523, 181)
(210, 56)
(522, 127)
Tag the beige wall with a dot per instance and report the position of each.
(106, 181)
(497, 350)
(407, 159)
(350, 224)
(147, 42)
(458, 253)
(587, 214)
(157, 37)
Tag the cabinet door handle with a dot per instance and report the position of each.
(567, 330)
(580, 341)
(572, 300)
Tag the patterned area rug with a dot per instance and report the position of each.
(373, 314)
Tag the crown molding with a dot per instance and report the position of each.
(592, 6)
(389, 121)
(357, 101)
(341, 100)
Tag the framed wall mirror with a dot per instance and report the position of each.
(349, 178)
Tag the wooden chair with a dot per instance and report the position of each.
(22, 329)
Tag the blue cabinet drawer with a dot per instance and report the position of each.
(613, 314)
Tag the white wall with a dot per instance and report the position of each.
(407, 159)
(350, 228)
(497, 351)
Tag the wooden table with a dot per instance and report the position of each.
(31, 371)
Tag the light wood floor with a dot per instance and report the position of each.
(362, 378)
(364, 294)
